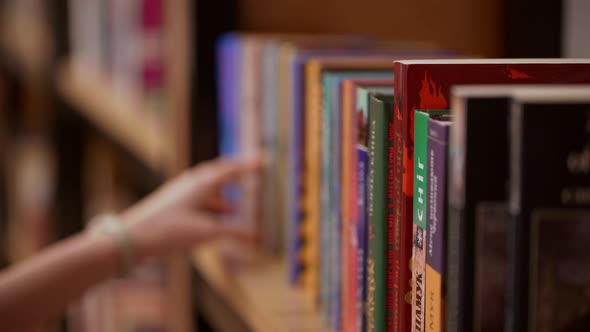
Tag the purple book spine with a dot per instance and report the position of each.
(228, 78)
(362, 233)
(295, 176)
(228, 70)
(437, 149)
(438, 136)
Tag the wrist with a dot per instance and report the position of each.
(111, 226)
(143, 246)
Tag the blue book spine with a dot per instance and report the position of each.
(228, 89)
(335, 223)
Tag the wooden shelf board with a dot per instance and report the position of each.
(30, 55)
(121, 117)
(255, 291)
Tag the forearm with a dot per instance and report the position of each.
(42, 287)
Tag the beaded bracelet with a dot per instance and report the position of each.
(110, 225)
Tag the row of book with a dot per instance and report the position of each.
(411, 191)
(124, 39)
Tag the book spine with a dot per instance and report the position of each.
(325, 227)
(249, 138)
(229, 53)
(406, 175)
(419, 220)
(228, 70)
(396, 295)
(271, 214)
(376, 200)
(336, 217)
(349, 209)
(354, 218)
(436, 226)
(516, 295)
(311, 199)
(456, 222)
(362, 232)
(295, 152)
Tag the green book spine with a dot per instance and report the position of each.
(380, 112)
(419, 217)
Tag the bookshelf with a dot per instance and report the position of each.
(157, 137)
(29, 57)
(249, 294)
(252, 296)
(257, 296)
(119, 116)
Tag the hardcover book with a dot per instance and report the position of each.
(481, 114)
(363, 215)
(423, 84)
(379, 119)
(549, 181)
(480, 146)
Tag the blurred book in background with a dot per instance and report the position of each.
(124, 39)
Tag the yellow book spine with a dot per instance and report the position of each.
(311, 190)
(433, 314)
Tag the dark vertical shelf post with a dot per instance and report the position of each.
(68, 137)
(211, 20)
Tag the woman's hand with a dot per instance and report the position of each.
(186, 211)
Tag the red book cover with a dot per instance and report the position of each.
(426, 84)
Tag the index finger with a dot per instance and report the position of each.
(226, 170)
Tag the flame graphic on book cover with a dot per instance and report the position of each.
(516, 74)
(431, 95)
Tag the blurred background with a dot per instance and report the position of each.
(103, 100)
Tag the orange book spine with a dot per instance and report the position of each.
(348, 265)
(311, 199)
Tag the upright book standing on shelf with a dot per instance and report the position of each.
(295, 151)
(249, 116)
(361, 65)
(296, 146)
(276, 87)
(379, 118)
(480, 146)
(419, 229)
(354, 95)
(436, 229)
(549, 183)
(371, 57)
(425, 84)
(334, 302)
